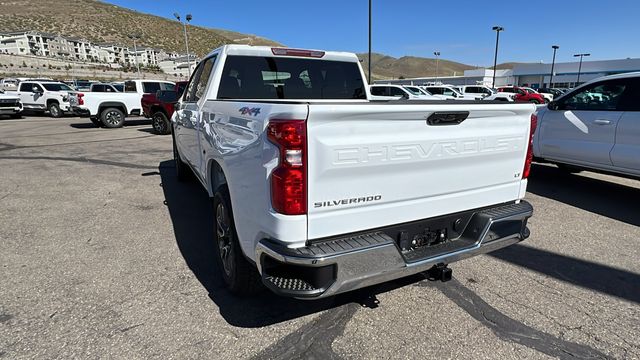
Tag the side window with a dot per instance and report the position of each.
(394, 91)
(448, 92)
(600, 96)
(204, 78)
(435, 90)
(168, 86)
(150, 87)
(130, 86)
(195, 89)
(630, 100)
(26, 87)
(98, 88)
(377, 90)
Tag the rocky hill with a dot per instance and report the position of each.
(101, 22)
(387, 67)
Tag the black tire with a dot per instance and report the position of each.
(240, 276)
(183, 173)
(15, 116)
(54, 110)
(112, 118)
(569, 169)
(161, 123)
(96, 121)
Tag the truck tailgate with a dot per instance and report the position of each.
(373, 165)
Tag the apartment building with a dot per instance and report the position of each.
(56, 46)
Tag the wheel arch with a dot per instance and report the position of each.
(216, 176)
(112, 104)
(155, 108)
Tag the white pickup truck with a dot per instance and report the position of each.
(317, 190)
(110, 109)
(10, 105)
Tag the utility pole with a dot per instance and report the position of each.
(580, 66)
(135, 37)
(553, 63)
(497, 29)
(437, 54)
(186, 38)
(369, 42)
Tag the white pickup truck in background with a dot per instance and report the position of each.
(110, 109)
(317, 190)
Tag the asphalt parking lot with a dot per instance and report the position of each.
(103, 254)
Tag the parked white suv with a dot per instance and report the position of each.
(314, 186)
(450, 91)
(55, 97)
(485, 93)
(595, 126)
(395, 92)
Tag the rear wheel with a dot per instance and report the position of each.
(161, 123)
(240, 276)
(54, 110)
(112, 118)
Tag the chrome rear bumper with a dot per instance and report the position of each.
(351, 262)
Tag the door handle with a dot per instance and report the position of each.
(602, 122)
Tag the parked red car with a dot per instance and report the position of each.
(160, 111)
(523, 95)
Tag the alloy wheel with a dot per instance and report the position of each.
(223, 232)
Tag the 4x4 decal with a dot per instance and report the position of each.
(249, 111)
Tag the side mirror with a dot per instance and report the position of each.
(167, 96)
(35, 89)
(553, 106)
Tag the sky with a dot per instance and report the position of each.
(459, 29)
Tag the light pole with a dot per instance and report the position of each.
(186, 38)
(553, 63)
(369, 42)
(497, 29)
(135, 37)
(437, 54)
(580, 66)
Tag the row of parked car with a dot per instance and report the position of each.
(106, 104)
(465, 92)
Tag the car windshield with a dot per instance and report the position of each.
(413, 90)
(57, 87)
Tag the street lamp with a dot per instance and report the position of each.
(580, 66)
(437, 54)
(369, 42)
(135, 37)
(553, 63)
(497, 29)
(186, 38)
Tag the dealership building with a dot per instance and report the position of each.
(536, 75)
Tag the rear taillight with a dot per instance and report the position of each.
(80, 98)
(289, 179)
(529, 159)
